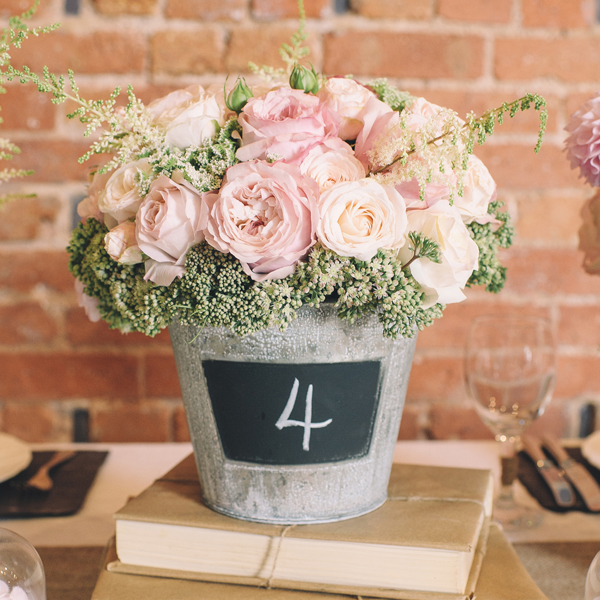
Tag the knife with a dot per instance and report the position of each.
(579, 476)
(562, 491)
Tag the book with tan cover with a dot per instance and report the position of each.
(429, 536)
(502, 576)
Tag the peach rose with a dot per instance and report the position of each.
(360, 217)
(347, 98)
(332, 162)
(589, 235)
(121, 245)
(188, 117)
(284, 124)
(120, 197)
(167, 226)
(88, 207)
(265, 215)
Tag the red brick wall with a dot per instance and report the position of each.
(466, 54)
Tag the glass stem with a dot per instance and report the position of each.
(510, 464)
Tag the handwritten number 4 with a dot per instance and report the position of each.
(285, 421)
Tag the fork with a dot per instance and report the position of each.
(42, 480)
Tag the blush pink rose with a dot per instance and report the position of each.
(284, 124)
(347, 98)
(264, 214)
(332, 162)
(167, 226)
(589, 235)
(378, 119)
(411, 192)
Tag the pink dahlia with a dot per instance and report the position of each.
(583, 143)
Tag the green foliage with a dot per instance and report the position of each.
(215, 290)
(422, 247)
(490, 239)
(12, 37)
(391, 95)
(203, 166)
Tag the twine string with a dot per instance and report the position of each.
(278, 539)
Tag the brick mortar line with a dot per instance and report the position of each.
(150, 24)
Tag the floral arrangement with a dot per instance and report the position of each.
(236, 208)
(583, 150)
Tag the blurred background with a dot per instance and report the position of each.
(64, 378)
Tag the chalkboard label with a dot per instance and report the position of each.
(294, 414)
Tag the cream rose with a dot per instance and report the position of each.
(188, 117)
(589, 235)
(347, 98)
(445, 281)
(479, 189)
(121, 245)
(332, 162)
(265, 215)
(88, 207)
(360, 217)
(120, 197)
(167, 226)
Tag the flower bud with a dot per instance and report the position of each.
(303, 79)
(238, 96)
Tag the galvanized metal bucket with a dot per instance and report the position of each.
(296, 426)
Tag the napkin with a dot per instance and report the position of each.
(72, 480)
(537, 487)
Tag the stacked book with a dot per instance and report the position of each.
(432, 539)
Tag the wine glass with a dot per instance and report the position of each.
(510, 373)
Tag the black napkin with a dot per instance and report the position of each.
(72, 480)
(538, 488)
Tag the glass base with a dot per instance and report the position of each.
(514, 517)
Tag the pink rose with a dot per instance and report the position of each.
(420, 112)
(167, 226)
(121, 245)
(589, 235)
(89, 304)
(332, 162)
(360, 217)
(411, 192)
(284, 124)
(264, 214)
(378, 119)
(347, 98)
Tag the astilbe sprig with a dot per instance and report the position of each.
(13, 36)
(444, 142)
